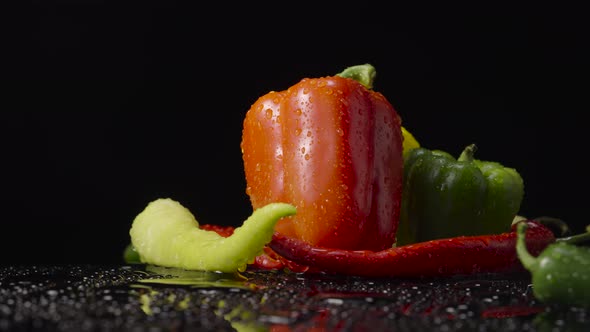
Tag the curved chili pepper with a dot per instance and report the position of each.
(267, 260)
(463, 255)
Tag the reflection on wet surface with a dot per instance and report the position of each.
(139, 297)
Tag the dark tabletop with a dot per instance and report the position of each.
(140, 297)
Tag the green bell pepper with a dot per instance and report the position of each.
(445, 197)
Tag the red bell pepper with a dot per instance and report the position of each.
(331, 146)
(462, 255)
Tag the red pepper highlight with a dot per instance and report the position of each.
(463, 255)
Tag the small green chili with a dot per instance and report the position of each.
(561, 272)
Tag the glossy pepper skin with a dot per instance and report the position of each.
(331, 146)
(462, 255)
(444, 197)
(560, 273)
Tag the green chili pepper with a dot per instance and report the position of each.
(561, 272)
(167, 234)
(445, 197)
(130, 255)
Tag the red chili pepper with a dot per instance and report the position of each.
(463, 255)
(270, 260)
(224, 231)
(332, 147)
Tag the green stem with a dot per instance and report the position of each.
(364, 74)
(579, 239)
(527, 260)
(468, 152)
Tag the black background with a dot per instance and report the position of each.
(107, 107)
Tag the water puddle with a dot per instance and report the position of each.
(197, 279)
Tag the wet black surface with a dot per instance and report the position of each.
(138, 298)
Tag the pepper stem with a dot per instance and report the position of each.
(468, 152)
(579, 239)
(364, 74)
(527, 260)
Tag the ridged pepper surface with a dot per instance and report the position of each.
(444, 197)
(331, 146)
